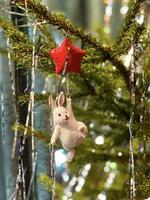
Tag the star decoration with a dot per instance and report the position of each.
(67, 51)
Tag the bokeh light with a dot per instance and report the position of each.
(99, 140)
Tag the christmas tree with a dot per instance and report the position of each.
(110, 94)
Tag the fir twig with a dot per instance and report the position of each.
(129, 20)
(42, 13)
(22, 48)
(133, 34)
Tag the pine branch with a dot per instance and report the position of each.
(94, 157)
(64, 24)
(38, 98)
(129, 20)
(46, 182)
(21, 50)
(133, 35)
(37, 133)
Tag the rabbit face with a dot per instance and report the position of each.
(61, 115)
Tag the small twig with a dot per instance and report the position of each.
(32, 177)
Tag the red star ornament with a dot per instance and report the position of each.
(61, 53)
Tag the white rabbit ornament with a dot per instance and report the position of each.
(70, 131)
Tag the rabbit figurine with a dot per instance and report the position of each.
(70, 131)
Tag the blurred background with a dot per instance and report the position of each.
(105, 178)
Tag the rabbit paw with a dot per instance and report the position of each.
(53, 141)
(70, 155)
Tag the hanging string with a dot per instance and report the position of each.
(2, 113)
(63, 80)
(132, 192)
(32, 177)
(32, 94)
(20, 182)
(35, 55)
(20, 190)
(26, 10)
(52, 162)
(10, 69)
(20, 179)
(53, 172)
(21, 143)
(64, 77)
(67, 86)
(10, 65)
(142, 117)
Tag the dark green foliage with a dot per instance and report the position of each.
(37, 133)
(101, 96)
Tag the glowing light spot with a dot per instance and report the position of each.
(108, 10)
(119, 154)
(108, 163)
(65, 198)
(140, 19)
(106, 169)
(107, 30)
(93, 150)
(84, 173)
(81, 181)
(99, 140)
(78, 188)
(65, 177)
(112, 114)
(69, 194)
(91, 125)
(60, 157)
(63, 80)
(124, 10)
(113, 165)
(92, 132)
(87, 166)
(102, 196)
(73, 181)
(43, 91)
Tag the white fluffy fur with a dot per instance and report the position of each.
(70, 131)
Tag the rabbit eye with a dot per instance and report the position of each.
(59, 115)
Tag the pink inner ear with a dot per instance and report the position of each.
(52, 102)
(61, 99)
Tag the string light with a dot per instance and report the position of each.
(124, 9)
(101, 196)
(107, 15)
(78, 183)
(119, 154)
(65, 176)
(99, 140)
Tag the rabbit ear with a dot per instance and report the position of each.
(61, 99)
(51, 102)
